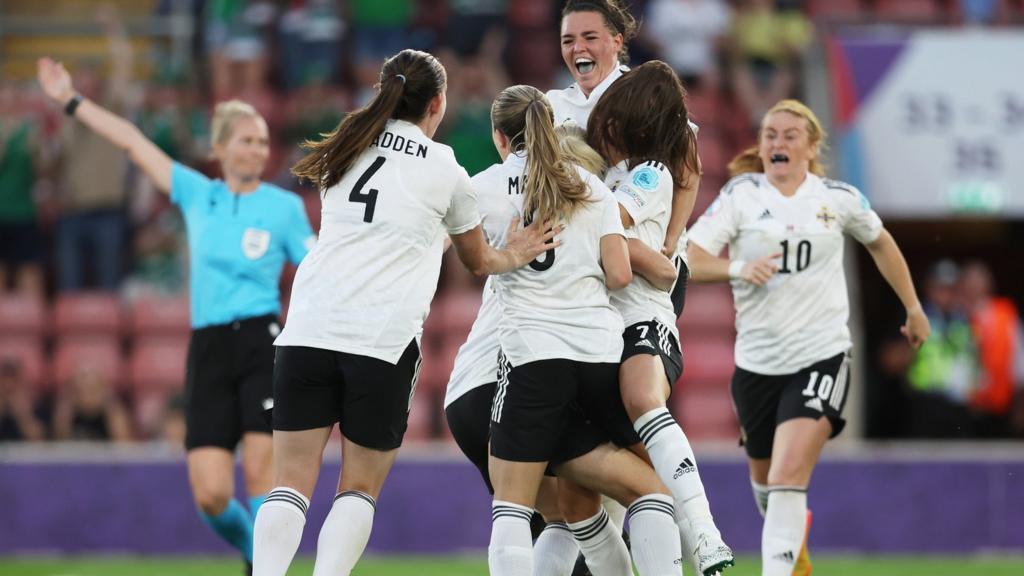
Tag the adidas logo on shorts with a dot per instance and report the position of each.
(685, 467)
(814, 403)
(645, 342)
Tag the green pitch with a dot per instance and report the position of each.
(471, 566)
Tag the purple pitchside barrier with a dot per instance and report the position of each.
(968, 500)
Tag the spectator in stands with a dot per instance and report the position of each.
(91, 184)
(88, 409)
(997, 329)
(158, 265)
(380, 28)
(21, 255)
(687, 34)
(474, 81)
(20, 419)
(944, 371)
(172, 427)
(311, 35)
(235, 44)
(766, 45)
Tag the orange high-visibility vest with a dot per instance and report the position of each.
(995, 328)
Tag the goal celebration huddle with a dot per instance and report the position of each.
(560, 394)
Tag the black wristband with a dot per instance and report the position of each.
(72, 104)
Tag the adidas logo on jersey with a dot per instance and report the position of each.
(765, 215)
(814, 403)
(685, 467)
(786, 556)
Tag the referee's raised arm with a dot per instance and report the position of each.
(56, 84)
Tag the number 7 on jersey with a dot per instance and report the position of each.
(369, 198)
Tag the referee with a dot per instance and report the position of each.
(240, 232)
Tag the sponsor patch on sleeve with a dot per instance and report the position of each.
(646, 178)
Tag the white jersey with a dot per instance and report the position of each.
(558, 305)
(800, 316)
(476, 363)
(367, 285)
(645, 192)
(572, 105)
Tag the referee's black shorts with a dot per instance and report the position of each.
(368, 398)
(228, 381)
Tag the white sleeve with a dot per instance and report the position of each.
(462, 215)
(717, 226)
(611, 221)
(856, 215)
(639, 192)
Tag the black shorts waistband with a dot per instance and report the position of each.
(237, 325)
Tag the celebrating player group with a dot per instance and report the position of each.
(559, 394)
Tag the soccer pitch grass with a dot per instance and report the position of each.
(474, 566)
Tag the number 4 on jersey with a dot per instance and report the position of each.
(369, 198)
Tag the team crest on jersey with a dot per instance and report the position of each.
(255, 243)
(646, 178)
(826, 216)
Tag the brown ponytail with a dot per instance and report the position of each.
(409, 80)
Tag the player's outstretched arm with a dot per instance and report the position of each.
(890, 262)
(652, 265)
(56, 83)
(706, 268)
(521, 247)
(683, 199)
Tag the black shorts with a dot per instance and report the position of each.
(654, 338)
(763, 402)
(540, 407)
(679, 290)
(469, 419)
(368, 398)
(228, 381)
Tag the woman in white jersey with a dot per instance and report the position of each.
(594, 37)
(560, 341)
(640, 126)
(349, 352)
(784, 224)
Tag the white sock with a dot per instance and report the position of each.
(602, 545)
(653, 534)
(616, 512)
(760, 496)
(783, 533)
(277, 531)
(344, 534)
(555, 551)
(510, 552)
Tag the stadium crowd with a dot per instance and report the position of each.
(93, 305)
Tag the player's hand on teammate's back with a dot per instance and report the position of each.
(760, 271)
(532, 241)
(917, 327)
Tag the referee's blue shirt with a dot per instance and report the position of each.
(237, 245)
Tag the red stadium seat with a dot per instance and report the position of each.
(160, 316)
(707, 357)
(421, 416)
(28, 353)
(91, 313)
(713, 154)
(459, 309)
(158, 364)
(845, 10)
(708, 308)
(22, 316)
(102, 354)
(706, 416)
(908, 11)
(702, 106)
